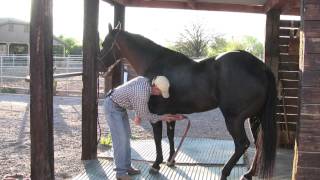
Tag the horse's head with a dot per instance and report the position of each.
(110, 49)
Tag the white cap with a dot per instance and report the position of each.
(163, 84)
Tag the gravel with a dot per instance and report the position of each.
(15, 133)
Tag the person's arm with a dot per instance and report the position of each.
(140, 106)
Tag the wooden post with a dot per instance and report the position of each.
(272, 51)
(90, 75)
(119, 16)
(41, 107)
(307, 148)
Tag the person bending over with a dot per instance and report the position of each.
(133, 95)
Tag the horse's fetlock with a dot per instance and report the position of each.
(225, 173)
(246, 145)
(159, 160)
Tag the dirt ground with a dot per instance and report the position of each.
(15, 133)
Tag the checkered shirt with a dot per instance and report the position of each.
(134, 95)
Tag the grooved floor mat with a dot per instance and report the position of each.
(201, 151)
(103, 169)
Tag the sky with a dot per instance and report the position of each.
(160, 25)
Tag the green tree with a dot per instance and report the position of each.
(192, 42)
(217, 46)
(72, 46)
(247, 43)
(253, 46)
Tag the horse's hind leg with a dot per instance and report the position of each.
(235, 127)
(157, 134)
(254, 124)
(170, 134)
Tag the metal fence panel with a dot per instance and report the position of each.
(15, 69)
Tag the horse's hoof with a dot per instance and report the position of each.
(153, 170)
(171, 164)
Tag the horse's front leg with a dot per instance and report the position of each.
(170, 134)
(157, 134)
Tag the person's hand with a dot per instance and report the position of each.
(137, 120)
(178, 117)
(172, 117)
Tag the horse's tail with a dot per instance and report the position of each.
(267, 139)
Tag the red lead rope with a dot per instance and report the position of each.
(181, 141)
(99, 127)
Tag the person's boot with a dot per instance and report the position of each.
(132, 171)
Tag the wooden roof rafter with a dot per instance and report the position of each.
(190, 4)
(289, 7)
(274, 4)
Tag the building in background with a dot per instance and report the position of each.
(14, 38)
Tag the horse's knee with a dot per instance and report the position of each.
(242, 146)
(170, 129)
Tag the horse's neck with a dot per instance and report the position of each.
(140, 60)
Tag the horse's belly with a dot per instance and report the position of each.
(201, 105)
(175, 106)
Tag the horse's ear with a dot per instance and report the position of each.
(118, 25)
(110, 27)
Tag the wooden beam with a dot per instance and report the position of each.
(186, 5)
(41, 107)
(116, 2)
(272, 49)
(313, 9)
(119, 17)
(291, 8)
(192, 4)
(274, 4)
(307, 148)
(89, 78)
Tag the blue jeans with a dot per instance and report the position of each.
(118, 122)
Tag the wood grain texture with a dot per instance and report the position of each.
(41, 90)
(89, 93)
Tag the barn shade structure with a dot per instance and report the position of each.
(277, 56)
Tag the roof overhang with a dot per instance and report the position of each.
(289, 7)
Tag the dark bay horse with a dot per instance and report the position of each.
(237, 82)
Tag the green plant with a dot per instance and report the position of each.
(133, 137)
(107, 141)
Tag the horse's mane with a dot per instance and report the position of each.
(147, 45)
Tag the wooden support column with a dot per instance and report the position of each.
(307, 148)
(119, 16)
(272, 52)
(41, 107)
(90, 75)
